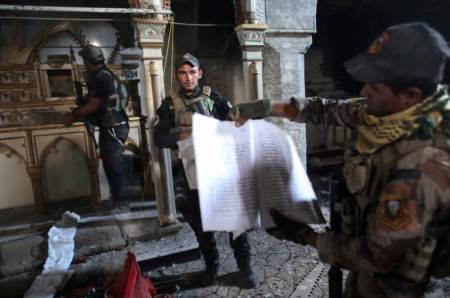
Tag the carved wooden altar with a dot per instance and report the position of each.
(33, 145)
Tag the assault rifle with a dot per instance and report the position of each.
(79, 99)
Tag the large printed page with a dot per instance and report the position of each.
(242, 172)
(225, 175)
(282, 179)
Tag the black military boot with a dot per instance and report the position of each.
(247, 278)
(210, 272)
(208, 275)
(241, 249)
(207, 243)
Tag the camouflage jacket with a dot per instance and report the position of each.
(397, 209)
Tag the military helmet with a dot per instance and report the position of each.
(93, 54)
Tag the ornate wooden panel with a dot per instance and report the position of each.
(18, 83)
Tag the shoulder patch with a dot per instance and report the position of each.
(397, 211)
(393, 212)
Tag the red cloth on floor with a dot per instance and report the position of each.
(130, 283)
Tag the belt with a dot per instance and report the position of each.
(112, 133)
(121, 123)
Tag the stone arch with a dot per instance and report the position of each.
(15, 182)
(65, 171)
(9, 151)
(51, 146)
(62, 28)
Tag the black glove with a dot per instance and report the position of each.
(252, 109)
(288, 229)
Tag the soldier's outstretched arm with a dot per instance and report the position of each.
(312, 110)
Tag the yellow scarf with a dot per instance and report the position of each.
(375, 132)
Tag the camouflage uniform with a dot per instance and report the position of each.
(396, 210)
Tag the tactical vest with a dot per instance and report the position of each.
(184, 108)
(119, 100)
(116, 102)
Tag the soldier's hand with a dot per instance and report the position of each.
(288, 229)
(250, 110)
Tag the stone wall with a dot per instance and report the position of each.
(292, 15)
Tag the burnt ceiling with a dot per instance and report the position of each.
(346, 27)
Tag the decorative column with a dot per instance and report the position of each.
(292, 23)
(150, 32)
(250, 33)
(251, 39)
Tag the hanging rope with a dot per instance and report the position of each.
(107, 20)
(172, 56)
(170, 47)
(169, 42)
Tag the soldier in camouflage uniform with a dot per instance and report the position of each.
(174, 124)
(395, 211)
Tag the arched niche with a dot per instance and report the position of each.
(15, 183)
(65, 172)
(62, 28)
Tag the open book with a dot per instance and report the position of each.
(243, 172)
